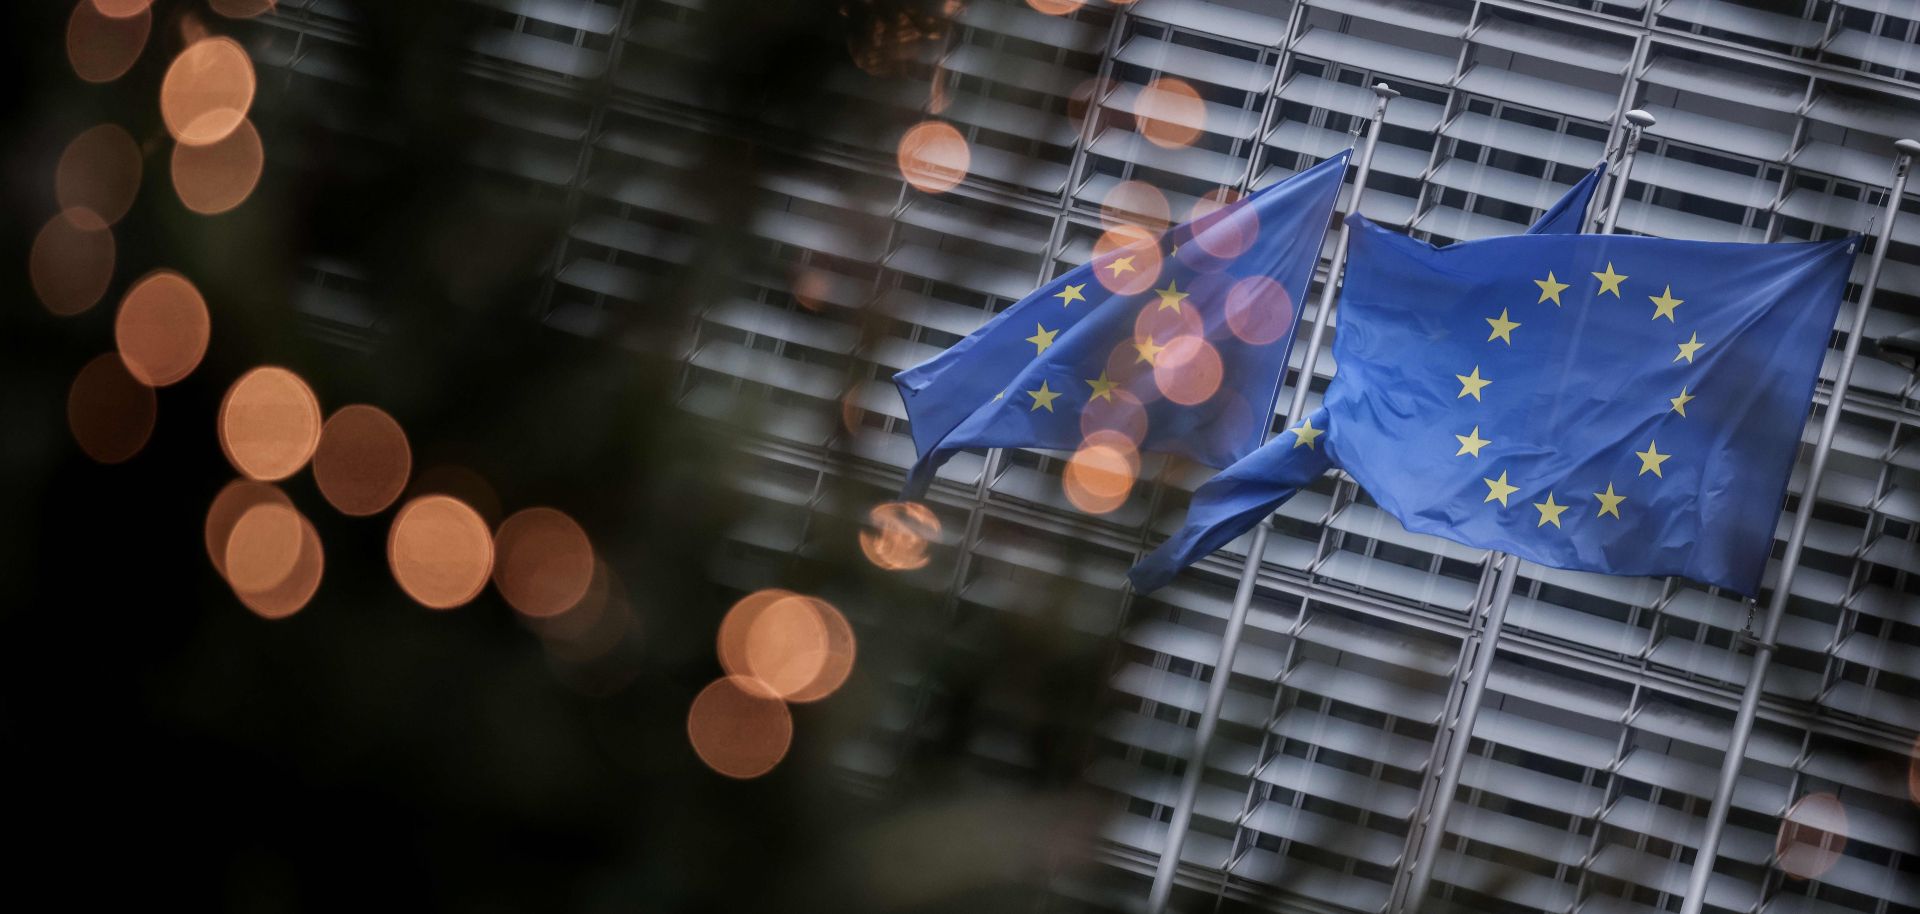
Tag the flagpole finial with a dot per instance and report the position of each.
(1383, 90)
(1909, 147)
(1641, 118)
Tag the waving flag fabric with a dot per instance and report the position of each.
(1176, 343)
(1568, 215)
(1243, 494)
(1606, 403)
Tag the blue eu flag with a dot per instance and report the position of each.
(1604, 403)
(1568, 216)
(1176, 343)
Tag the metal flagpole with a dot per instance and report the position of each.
(1434, 830)
(1637, 120)
(1243, 596)
(1790, 560)
(1482, 660)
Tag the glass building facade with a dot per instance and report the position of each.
(1592, 762)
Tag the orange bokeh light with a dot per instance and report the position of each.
(544, 561)
(207, 91)
(901, 533)
(784, 646)
(1161, 324)
(738, 728)
(297, 588)
(1120, 413)
(1057, 7)
(99, 171)
(1812, 834)
(102, 48)
(934, 157)
(1259, 310)
(809, 287)
(262, 547)
(440, 551)
(731, 642)
(218, 176)
(362, 461)
(1127, 259)
(1170, 113)
(162, 328)
(72, 261)
(241, 9)
(838, 663)
(792, 646)
(269, 423)
(1136, 203)
(1188, 371)
(234, 501)
(1101, 473)
(1222, 229)
(120, 9)
(110, 413)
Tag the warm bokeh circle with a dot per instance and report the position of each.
(110, 413)
(162, 328)
(207, 91)
(362, 461)
(738, 728)
(269, 423)
(440, 551)
(99, 171)
(900, 534)
(543, 561)
(934, 157)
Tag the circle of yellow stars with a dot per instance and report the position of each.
(1666, 306)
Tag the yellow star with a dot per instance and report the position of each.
(1042, 338)
(1688, 348)
(1471, 383)
(1102, 389)
(1651, 459)
(1070, 294)
(1664, 303)
(1549, 512)
(997, 396)
(1121, 265)
(1042, 397)
(1148, 351)
(1609, 281)
(1497, 489)
(1609, 502)
(1471, 442)
(1502, 328)
(1306, 433)
(1680, 402)
(1171, 296)
(1550, 288)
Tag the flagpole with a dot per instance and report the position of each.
(1637, 121)
(1790, 560)
(1243, 596)
(1460, 735)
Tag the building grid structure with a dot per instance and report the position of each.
(1593, 760)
